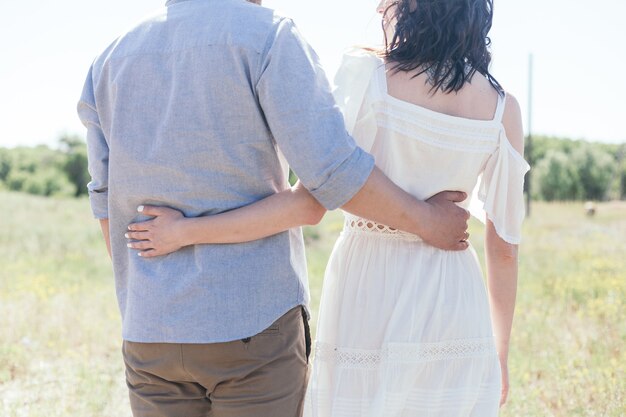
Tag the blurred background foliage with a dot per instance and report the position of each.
(563, 169)
(46, 171)
(570, 170)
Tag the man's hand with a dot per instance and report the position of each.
(446, 227)
(438, 220)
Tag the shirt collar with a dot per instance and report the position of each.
(171, 2)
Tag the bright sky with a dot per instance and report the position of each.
(579, 51)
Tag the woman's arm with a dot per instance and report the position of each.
(502, 258)
(502, 284)
(169, 230)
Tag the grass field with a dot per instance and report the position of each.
(59, 323)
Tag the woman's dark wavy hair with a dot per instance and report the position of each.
(447, 39)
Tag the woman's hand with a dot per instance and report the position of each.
(158, 236)
(169, 230)
(505, 380)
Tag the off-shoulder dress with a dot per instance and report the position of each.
(404, 328)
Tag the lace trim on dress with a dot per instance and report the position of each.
(360, 225)
(403, 353)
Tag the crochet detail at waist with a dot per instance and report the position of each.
(359, 225)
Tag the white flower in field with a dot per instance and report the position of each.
(27, 342)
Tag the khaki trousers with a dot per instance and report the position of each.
(261, 376)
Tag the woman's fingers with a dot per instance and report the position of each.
(141, 242)
(505, 382)
(140, 226)
(144, 235)
(149, 210)
(153, 237)
(504, 395)
(152, 211)
(141, 245)
(150, 253)
(155, 211)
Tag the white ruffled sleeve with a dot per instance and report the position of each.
(351, 84)
(501, 190)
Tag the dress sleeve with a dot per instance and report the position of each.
(501, 190)
(352, 82)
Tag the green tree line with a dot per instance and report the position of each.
(563, 169)
(46, 171)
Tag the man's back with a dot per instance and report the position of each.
(163, 94)
(186, 111)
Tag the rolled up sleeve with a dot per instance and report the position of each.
(97, 151)
(308, 127)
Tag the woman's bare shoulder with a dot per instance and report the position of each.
(512, 122)
(479, 97)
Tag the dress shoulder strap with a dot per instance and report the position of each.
(500, 108)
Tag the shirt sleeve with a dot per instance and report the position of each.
(97, 151)
(352, 82)
(305, 121)
(502, 190)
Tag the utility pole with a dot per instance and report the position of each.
(617, 176)
(529, 139)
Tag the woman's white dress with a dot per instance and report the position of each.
(404, 328)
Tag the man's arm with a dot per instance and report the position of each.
(98, 155)
(438, 220)
(309, 128)
(104, 225)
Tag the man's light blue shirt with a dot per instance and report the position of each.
(193, 109)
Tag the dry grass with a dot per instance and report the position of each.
(60, 344)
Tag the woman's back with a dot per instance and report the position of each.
(427, 143)
(476, 100)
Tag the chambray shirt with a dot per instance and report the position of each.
(193, 109)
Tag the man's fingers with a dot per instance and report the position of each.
(456, 196)
(463, 238)
(460, 246)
